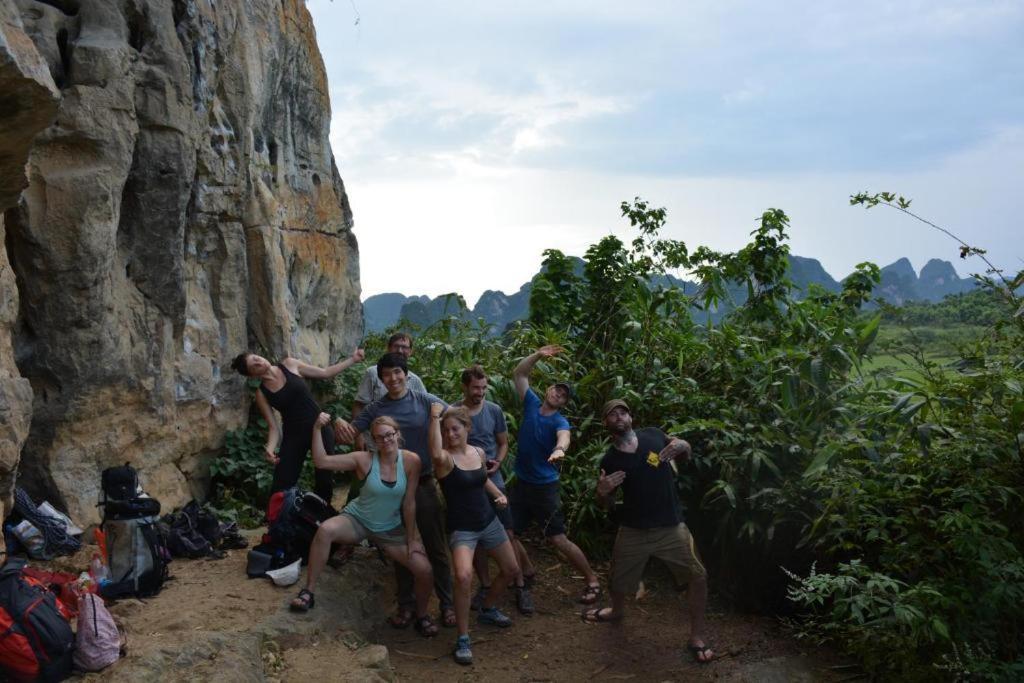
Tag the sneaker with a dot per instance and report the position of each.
(462, 653)
(478, 599)
(524, 601)
(494, 617)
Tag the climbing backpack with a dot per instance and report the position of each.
(294, 517)
(36, 641)
(137, 554)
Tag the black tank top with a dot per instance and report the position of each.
(294, 401)
(468, 506)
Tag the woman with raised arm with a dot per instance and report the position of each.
(384, 512)
(283, 389)
(471, 521)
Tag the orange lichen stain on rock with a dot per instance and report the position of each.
(325, 252)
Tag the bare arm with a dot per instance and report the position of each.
(412, 480)
(561, 445)
(273, 433)
(521, 375)
(441, 460)
(344, 462)
(313, 372)
(501, 440)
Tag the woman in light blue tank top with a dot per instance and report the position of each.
(384, 512)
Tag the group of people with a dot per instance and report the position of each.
(408, 441)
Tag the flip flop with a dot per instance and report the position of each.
(595, 616)
(697, 651)
(590, 594)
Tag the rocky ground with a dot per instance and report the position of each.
(212, 623)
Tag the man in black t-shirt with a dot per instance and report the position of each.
(651, 521)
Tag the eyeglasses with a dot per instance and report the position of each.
(388, 436)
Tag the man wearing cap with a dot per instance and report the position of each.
(651, 520)
(543, 438)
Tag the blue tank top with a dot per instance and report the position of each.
(379, 506)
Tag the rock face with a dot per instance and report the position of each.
(183, 206)
(28, 105)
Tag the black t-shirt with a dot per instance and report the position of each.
(649, 498)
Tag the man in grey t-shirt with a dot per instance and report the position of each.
(490, 433)
(372, 389)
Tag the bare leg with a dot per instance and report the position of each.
(422, 575)
(335, 530)
(506, 558)
(575, 556)
(462, 558)
(524, 560)
(698, 599)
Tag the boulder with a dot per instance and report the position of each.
(183, 206)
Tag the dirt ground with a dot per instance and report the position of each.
(212, 623)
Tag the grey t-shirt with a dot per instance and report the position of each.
(487, 424)
(372, 389)
(412, 413)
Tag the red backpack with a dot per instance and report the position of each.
(36, 641)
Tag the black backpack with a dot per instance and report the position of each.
(137, 554)
(36, 641)
(297, 521)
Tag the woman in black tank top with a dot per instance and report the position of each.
(468, 492)
(283, 388)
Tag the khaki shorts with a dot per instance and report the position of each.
(672, 545)
(394, 536)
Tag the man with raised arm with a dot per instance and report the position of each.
(651, 520)
(490, 433)
(411, 410)
(543, 439)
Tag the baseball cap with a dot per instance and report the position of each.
(566, 386)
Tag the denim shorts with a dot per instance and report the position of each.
(490, 537)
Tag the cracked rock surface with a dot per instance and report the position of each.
(175, 204)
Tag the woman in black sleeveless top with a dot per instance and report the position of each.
(283, 388)
(468, 493)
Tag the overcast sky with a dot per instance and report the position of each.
(471, 136)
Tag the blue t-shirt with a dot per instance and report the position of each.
(412, 413)
(538, 435)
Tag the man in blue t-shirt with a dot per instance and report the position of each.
(543, 438)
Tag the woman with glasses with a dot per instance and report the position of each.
(471, 520)
(384, 512)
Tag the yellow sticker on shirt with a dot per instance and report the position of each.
(653, 460)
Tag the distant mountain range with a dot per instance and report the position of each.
(900, 284)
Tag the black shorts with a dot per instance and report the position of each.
(541, 503)
(505, 513)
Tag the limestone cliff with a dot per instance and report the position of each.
(183, 205)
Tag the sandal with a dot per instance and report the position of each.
(702, 654)
(303, 602)
(599, 615)
(448, 619)
(590, 594)
(402, 618)
(425, 626)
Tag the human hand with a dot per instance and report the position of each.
(677, 448)
(269, 454)
(492, 467)
(344, 432)
(323, 419)
(358, 355)
(606, 483)
(436, 409)
(501, 501)
(556, 455)
(550, 350)
(416, 546)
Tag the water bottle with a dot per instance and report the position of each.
(98, 570)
